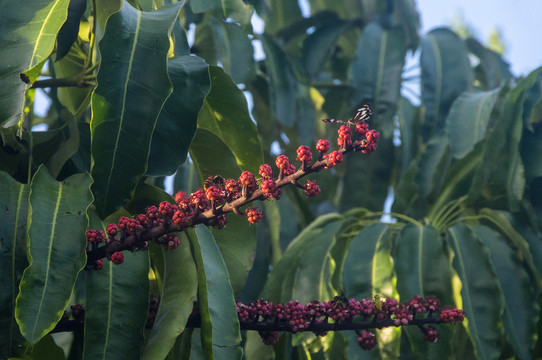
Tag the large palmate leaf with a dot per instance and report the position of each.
(117, 303)
(133, 85)
(376, 72)
(14, 199)
(56, 227)
(423, 268)
(446, 73)
(220, 334)
(226, 115)
(483, 300)
(177, 122)
(27, 36)
(467, 120)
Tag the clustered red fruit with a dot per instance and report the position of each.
(219, 196)
(451, 315)
(117, 258)
(367, 340)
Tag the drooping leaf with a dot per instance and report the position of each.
(56, 227)
(295, 268)
(27, 38)
(70, 29)
(467, 120)
(492, 70)
(423, 268)
(220, 334)
(521, 310)
(226, 44)
(482, 297)
(446, 73)
(115, 312)
(128, 99)
(408, 17)
(13, 217)
(176, 125)
(235, 9)
(376, 72)
(225, 114)
(434, 162)
(176, 301)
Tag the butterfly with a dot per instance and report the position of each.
(362, 114)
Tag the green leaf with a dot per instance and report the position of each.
(70, 29)
(128, 99)
(56, 228)
(220, 334)
(467, 120)
(13, 217)
(116, 306)
(27, 39)
(176, 301)
(235, 9)
(376, 72)
(282, 84)
(279, 15)
(423, 268)
(225, 113)
(521, 310)
(226, 44)
(446, 73)
(176, 126)
(298, 275)
(434, 162)
(482, 297)
(492, 70)
(47, 349)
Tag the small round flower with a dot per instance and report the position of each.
(304, 154)
(451, 315)
(343, 142)
(214, 194)
(180, 218)
(269, 337)
(372, 135)
(166, 209)
(362, 128)
(417, 304)
(253, 215)
(98, 264)
(112, 230)
(430, 334)
(433, 304)
(268, 187)
(96, 236)
(172, 242)
(322, 145)
(403, 316)
(152, 212)
(117, 258)
(144, 220)
(265, 171)
(345, 132)
(311, 189)
(289, 170)
(367, 340)
(232, 189)
(369, 148)
(129, 225)
(198, 200)
(180, 195)
(282, 162)
(334, 159)
(248, 180)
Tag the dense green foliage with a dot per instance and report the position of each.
(133, 101)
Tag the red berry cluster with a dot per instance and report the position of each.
(367, 340)
(220, 196)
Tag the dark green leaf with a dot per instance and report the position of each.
(70, 29)
(467, 120)
(225, 113)
(56, 228)
(434, 162)
(177, 121)
(226, 44)
(346, 9)
(13, 217)
(176, 301)
(492, 70)
(446, 73)
(220, 333)
(279, 15)
(408, 17)
(483, 300)
(423, 268)
(376, 72)
(115, 314)
(521, 310)
(235, 9)
(47, 349)
(27, 39)
(128, 99)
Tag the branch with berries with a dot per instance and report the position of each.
(319, 317)
(211, 204)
